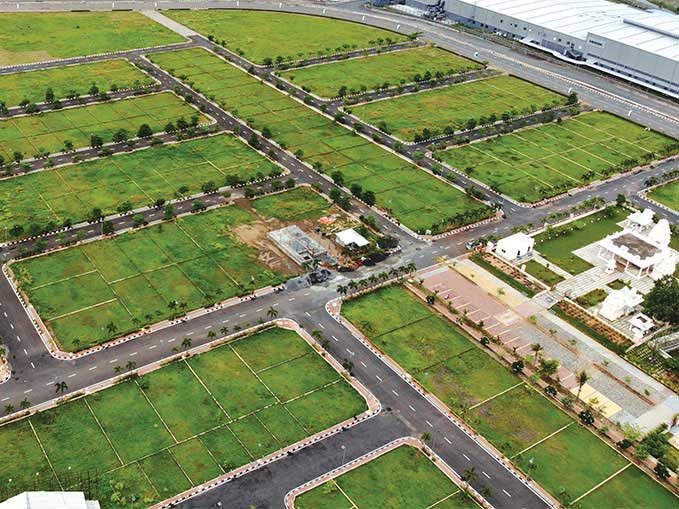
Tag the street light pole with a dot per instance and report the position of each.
(344, 453)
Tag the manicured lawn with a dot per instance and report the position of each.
(36, 200)
(401, 479)
(630, 489)
(511, 415)
(412, 196)
(168, 430)
(544, 274)
(91, 293)
(543, 161)
(34, 37)
(667, 195)
(259, 35)
(571, 462)
(65, 81)
(452, 106)
(558, 245)
(47, 132)
(373, 72)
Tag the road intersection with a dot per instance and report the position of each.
(406, 411)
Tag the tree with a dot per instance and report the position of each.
(186, 343)
(168, 212)
(120, 135)
(60, 387)
(68, 145)
(182, 123)
(661, 471)
(25, 404)
(661, 301)
(170, 128)
(582, 378)
(337, 177)
(96, 141)
(94, 90)
(107, 227)
(548, 367)
(144, 131)
(96, 214)
(517, 366)
(49, 95)
(620, 200)
(369, 197)
(536, 348)
(586, 417)
(469, 475)
(272, 312)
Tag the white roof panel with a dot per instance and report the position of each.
(653, 31)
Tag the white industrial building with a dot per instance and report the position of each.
(637, 45)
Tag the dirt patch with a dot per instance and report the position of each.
(254, 234)
(23, 57)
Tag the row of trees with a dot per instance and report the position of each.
(373, 279)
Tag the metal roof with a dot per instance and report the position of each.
(653, 31)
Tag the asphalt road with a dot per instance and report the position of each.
(406, 410)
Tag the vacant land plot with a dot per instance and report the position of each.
(540, 162)
(34, 37)
(452, 106)
(667, 195)
(71, 80)
(91, 293)
(32, 202)
(412, 196)
(47, 132)
(557, 245)
(403, 478)
(373, 72)
(235, 406)
(295, 205)
(565, 458)
(268, 35)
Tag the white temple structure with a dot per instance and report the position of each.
(642, 248)
(620, 302)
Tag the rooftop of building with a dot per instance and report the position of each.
(653, 31)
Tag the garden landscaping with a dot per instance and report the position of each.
(374, 72)
(402, 478)
(542, 273)
(46, 133)
(557, 244)
(100, 290)
(70, 81)
(41, 201)
(149, 438)
(539, 162)
(548, 444)
(450, 108)
(262, 37)
(37, 37)
(414, 197)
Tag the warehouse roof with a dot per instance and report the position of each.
(653, 31)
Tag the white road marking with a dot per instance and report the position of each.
(18, 339)
(11, 325)
(485, 474)
(29, 390)
(243, 315)
(378, 377)
(258, 310)
(32, 365)
(321, 325)
(92, 368)
(226, 321)
(112, 361)
(446, 439)
(307, 313)
(429, 424)
(505, 492)
(411, 408)
(291, 299)
(395, 393)
(72, 375)
(171, 340)
(5, 399)
(152, 347)
(333, 337)
(350, 352)
(208, 327)
(466, 457)
(189, 333)
(364, 364)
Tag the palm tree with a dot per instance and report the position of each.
(60, 387)
(342, 290)
(211, 334)
(9, 408)
(118, 368)
(316, 334)
(470, 475)
(425, 436)
(25, 404)
(130, 365)
(224, 331)
(536, 348)
(582, 378)
(272, 312)
(186, 343)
